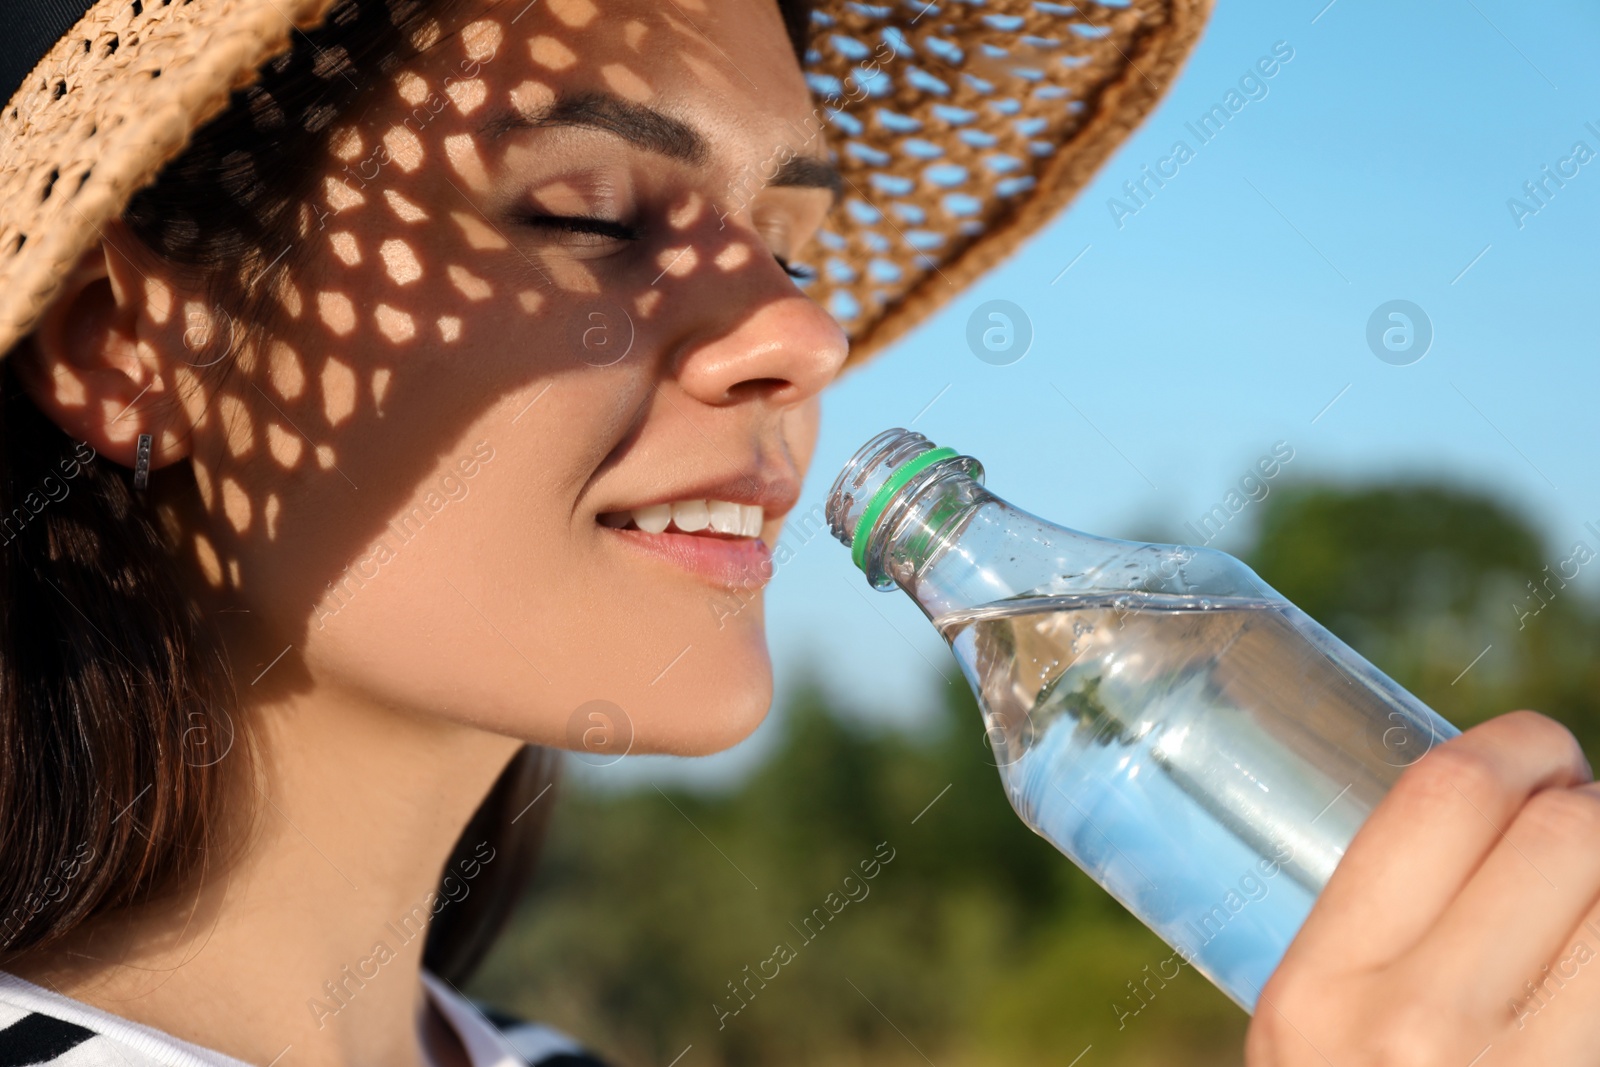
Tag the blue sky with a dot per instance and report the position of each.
(1230, 312)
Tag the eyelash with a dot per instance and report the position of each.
(621, 231)
(587, 224)
(798, 273)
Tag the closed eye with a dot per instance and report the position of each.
(584, 224)
(612, 229)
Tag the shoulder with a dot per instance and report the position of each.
(540, 1045)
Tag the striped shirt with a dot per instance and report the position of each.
(39, 1026)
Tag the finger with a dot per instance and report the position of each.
(1518, 910)
(1555, 1016)
(1427, 836)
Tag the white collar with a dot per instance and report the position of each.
(484, 1044)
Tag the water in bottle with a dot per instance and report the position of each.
(1197, 744)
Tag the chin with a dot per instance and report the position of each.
(713, 712)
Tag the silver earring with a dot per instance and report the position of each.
(141, 462)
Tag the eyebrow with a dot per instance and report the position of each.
(650, 130)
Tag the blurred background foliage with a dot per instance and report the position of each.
(978, 943)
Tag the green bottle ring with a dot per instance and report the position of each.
(880, 499)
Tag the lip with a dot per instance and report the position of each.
(728, 562)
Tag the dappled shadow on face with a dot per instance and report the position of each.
(420, 316)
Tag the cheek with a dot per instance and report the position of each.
(522, 637)
(497, 608)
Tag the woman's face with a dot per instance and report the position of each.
(540, 305)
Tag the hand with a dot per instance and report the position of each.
(1462, 928)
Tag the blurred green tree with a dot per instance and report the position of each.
(1436, 585)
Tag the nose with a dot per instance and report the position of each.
(757, 335)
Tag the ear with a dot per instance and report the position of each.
(103, 360)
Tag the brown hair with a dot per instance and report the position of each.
(115, 692)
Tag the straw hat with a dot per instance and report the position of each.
(960, 126)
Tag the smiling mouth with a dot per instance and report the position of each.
(707, 518)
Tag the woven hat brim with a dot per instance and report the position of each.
(1129, 70)
(120, 94)
(113, 101)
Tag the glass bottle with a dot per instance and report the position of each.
(1196, 743)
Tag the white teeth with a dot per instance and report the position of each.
(654, 518)
(691, 516)
(725, 517)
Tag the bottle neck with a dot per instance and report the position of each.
(926, 546)
(902, 506)
(919, 518)
(953, 546)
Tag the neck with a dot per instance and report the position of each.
(309, 935)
